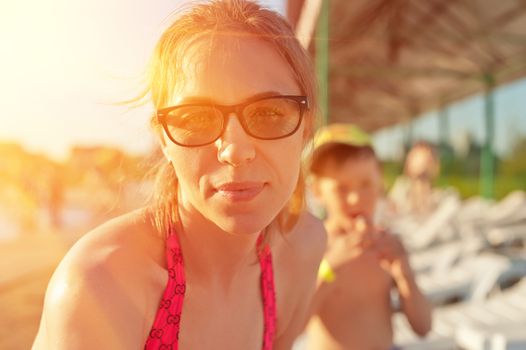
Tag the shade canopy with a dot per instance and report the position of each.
(391, 60)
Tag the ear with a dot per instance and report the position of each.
(164, 149)
(161, 137)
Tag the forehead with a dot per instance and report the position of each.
(230, 69)
(354, 170)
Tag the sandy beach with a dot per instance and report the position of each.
(26, 265)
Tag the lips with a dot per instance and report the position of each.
(240, 191)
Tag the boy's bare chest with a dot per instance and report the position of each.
(363, 279)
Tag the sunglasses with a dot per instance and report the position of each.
(267, 118)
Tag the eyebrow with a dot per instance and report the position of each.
(209, 100)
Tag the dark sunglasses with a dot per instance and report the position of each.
(267, 118)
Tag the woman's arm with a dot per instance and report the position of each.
(92, 300)
(285, 340)
(78, 315)
(310, 241)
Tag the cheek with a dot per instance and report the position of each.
(287, 160)
(176, 157)
(190, 164)
(289, 173)
(371, 198)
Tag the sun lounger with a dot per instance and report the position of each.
(511, 209)
(439, 259)
(507, 234)
(506, 308)
(472, 278)
(503, 336)
(436, 228)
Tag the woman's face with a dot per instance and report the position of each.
(238, 182)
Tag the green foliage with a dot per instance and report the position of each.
(515, 164)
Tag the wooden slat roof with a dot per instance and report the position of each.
(391, 60)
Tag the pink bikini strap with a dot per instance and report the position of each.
(164, 334)
(269, 295)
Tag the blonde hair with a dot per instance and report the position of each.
(235, 17)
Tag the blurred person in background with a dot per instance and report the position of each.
(413, 193)
(363, 262)
(225, 256)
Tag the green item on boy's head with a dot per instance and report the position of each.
(348, 134)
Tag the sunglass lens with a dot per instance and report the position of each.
(272, 118)
(194, 125)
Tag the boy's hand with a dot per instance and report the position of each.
(349, 240)
(393, 258)
(358, 235)
(392, 254)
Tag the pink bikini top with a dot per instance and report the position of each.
(164, 334)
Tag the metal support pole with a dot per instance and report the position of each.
(322, 60)
(445, 153)
(487, 161)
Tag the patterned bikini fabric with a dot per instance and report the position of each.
(164, 334)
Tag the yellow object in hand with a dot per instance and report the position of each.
(325, 272)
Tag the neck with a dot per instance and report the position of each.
(211, 255)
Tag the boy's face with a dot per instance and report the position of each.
(350, 189)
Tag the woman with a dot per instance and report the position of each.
(234, 94)
(413, 193)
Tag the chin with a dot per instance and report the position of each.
(250, 217)
(244, 223)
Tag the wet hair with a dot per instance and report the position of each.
(332, 155)
(242, 19)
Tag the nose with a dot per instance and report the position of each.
(235, 146)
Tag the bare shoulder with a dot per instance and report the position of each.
(94, 290)
(301, 250)
(115, 246)
(308, 238)
(300, 253)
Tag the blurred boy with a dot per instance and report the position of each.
(352, 307)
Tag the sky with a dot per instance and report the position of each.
(65, 64)
(466, 117)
